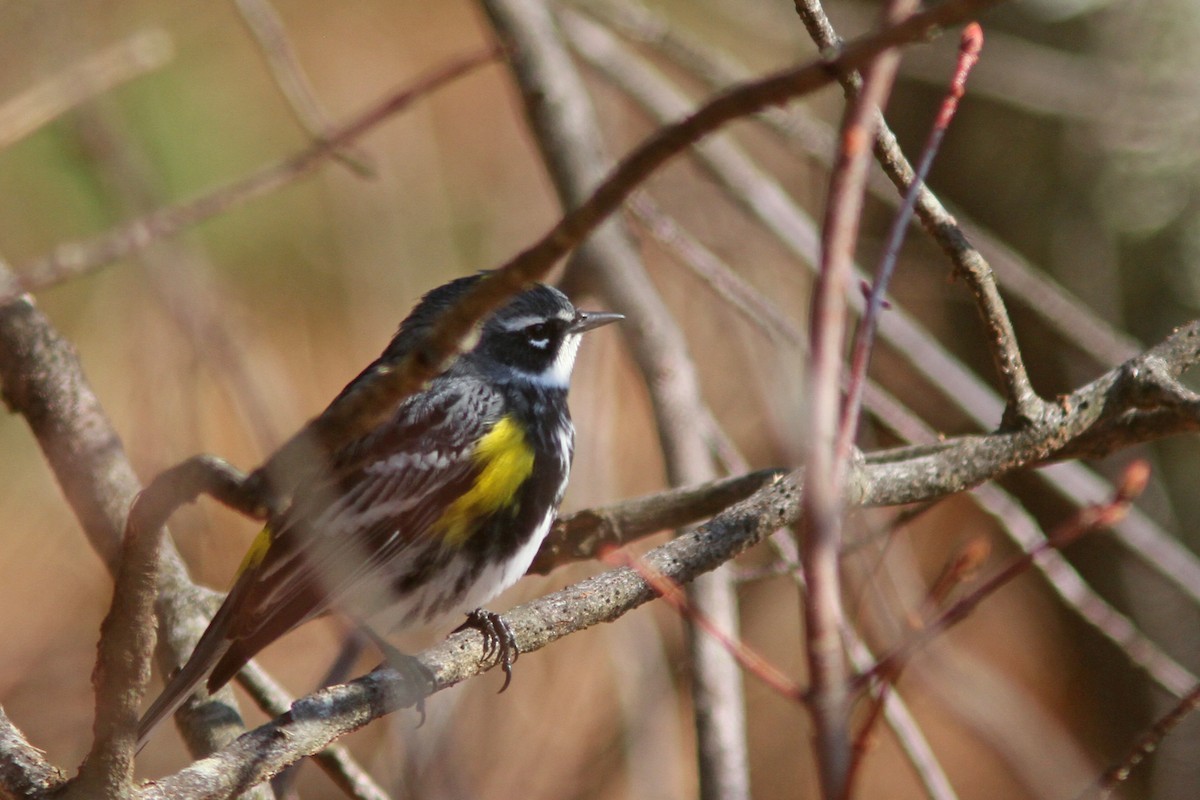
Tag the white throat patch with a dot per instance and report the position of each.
(558, 374)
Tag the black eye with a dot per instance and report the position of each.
(539, 332)
(542, 335)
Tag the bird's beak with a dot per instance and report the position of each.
(587, 320)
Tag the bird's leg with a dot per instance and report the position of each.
(498, 639)
(409, 667)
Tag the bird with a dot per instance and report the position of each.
(431, 513)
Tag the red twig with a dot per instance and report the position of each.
(750, 659)
(968, 54)
(958, 571)
(1146, 744)
(1105, 515)
(825, 465)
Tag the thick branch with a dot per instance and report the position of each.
(43, 381)
(320, 718)
(24, 771)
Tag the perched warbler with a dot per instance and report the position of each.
(442, 507)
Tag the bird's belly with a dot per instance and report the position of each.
(461, 585)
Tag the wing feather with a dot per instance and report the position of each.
(340, 530)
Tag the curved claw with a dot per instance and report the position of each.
(498, 640)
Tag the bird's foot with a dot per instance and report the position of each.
(498, 639)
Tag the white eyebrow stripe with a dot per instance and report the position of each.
(522, 322)
(518, 323)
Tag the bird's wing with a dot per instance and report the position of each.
(338, 531)
(339, 528)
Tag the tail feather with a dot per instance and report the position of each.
(209, 650)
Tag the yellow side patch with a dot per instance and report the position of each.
(506, 461)
(257, 552)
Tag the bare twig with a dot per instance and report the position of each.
(123, 666)
(1060, 574)
(591, 533)
(1022, 403)
(961, 568)
(971, 43)
(1146, 744)
(1085, 521)
(335, 760)
(93, 76)
(747, 657)
(1078, 595)
(907, 729)
(264, 22)
(826, 462)
(76, 258)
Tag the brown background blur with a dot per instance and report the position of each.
(1089, 176)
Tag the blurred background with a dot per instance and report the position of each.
(1075, 150)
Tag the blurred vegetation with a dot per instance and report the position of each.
(1094, 181)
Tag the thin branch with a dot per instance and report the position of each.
(1086, 520)
(907, 730)
(266, 25)
(1062, 577)
(748, 658)
(864, 340)
(959, 569)
(77, 258)
(1146, 744)
(1022, 403)
(95, 75)
(826, 463)
(591, 533)
(122, 671)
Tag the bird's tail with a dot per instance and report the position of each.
(209, 650)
